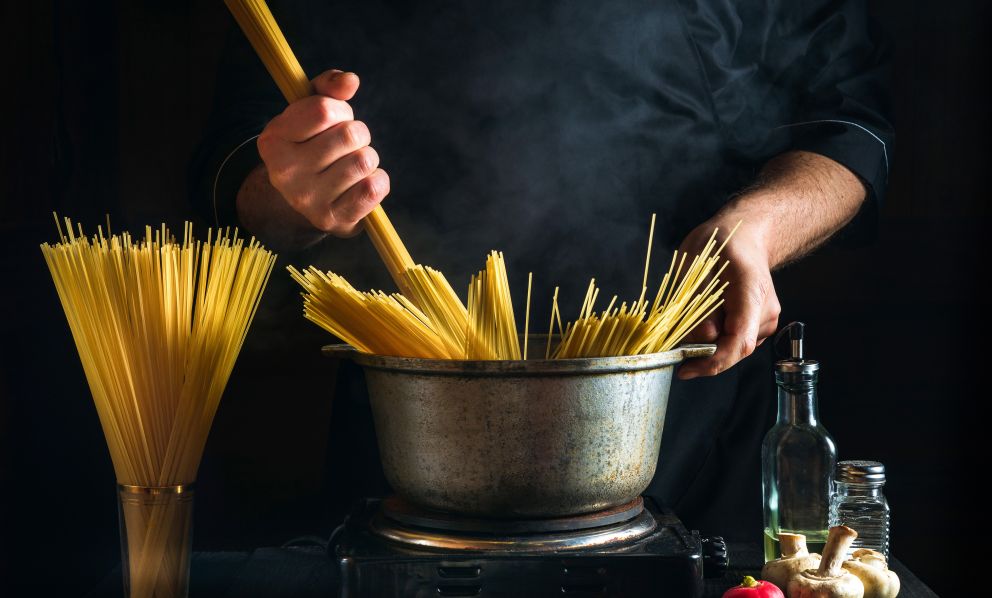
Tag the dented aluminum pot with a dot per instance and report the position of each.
(511, 439)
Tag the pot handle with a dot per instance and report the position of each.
(690, 351)
(340, 351)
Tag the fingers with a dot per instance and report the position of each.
(334, 144)
(362, 198)
(306, 118)
(751, 315)
(347, 171)
(345, 213)
(293, 160)
(336, 84)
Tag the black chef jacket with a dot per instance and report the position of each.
(551, 131)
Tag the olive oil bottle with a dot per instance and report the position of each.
(798, 456)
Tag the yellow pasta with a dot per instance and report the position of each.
(426, 288)
(684, 299)
(158, 325)
(492, 331)
(373, 322)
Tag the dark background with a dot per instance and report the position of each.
(105, 102)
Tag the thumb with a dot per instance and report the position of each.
(336, 84)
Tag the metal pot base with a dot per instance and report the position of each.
(628, 524)
(397, 509)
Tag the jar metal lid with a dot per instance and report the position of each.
(797, 366)
(861, 472)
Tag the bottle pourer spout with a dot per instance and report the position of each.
(796, 332)
(796, 362)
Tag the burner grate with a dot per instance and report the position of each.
(667, 560)
(400, 511)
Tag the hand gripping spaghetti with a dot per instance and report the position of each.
(425, 288)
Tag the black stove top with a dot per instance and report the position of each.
(385, 548)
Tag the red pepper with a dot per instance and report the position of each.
(752, 588)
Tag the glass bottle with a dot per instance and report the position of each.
(858, 503)
(798, 456)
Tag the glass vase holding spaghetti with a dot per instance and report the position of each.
(158, 323)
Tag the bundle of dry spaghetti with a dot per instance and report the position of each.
(686, 297)
(158, 324)
(374, 322)
(391, 324)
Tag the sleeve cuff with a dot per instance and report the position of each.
(229, 176)
(860, 150)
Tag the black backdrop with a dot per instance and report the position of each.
(104, 103)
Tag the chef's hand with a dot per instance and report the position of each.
(750, 311)
(798, 202)
(319, 160)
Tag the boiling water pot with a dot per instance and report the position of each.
(533, 438)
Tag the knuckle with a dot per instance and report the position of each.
(775, 310)
(265, 142)
(379, 185)
(373, 188)
(367, 189)
(363, 163)
(345, 110)
(323, 109)
(355, 134)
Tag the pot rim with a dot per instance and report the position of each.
(520, 367)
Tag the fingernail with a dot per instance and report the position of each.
(340, 75)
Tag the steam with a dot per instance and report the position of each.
(520, 133)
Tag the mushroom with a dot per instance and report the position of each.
(830, 580)
(872, 569)
(795, 559)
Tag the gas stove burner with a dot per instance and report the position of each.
(387, 548)
(408, 524)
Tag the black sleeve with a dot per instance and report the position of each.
(245, 99)
(832, 59)
(830, 52)
(798, 75)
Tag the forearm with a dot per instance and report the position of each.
(799, 201)
(264, 212)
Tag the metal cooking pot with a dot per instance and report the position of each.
(511, 439)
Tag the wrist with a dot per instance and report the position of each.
(262, 210)
(755, 233)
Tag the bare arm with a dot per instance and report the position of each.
(800, 200)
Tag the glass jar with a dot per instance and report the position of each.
(156, 526)
(859, 504)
